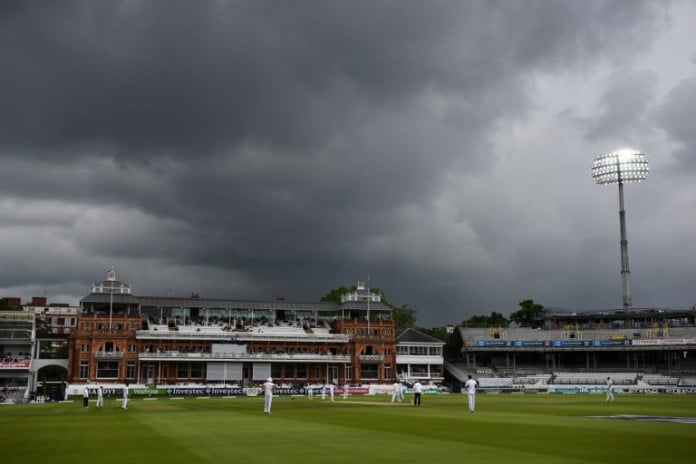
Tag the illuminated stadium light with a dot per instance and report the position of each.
(620, 166)
(616, 168)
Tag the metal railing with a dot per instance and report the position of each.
(371, 357)
(108, 355)
(176, 355)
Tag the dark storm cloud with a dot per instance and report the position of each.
(189, 78)
(257, 148)
(678, 118)
(624, 105)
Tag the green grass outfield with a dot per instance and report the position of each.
(510, 429)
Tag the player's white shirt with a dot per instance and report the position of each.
(470, 386)
(268, 388)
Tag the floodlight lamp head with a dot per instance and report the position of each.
(620, 166)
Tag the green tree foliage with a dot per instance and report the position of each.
(494, 320)
(453, 341)
(5, 305)
(437, 332)
(529, 315)
(335, 294)
(498, 320)
(41, 329)
(404, 316)
(453, 348)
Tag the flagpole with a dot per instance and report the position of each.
(111, 277)
(368, 306)
(111, 305)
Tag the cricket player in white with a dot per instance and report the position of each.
(610, 390)
(100, 396)
(470, 386)
(268, 395)
(124, 403)
(396, 392)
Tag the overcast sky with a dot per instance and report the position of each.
(251, 149)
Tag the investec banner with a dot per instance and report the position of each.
(189, 391)
(581, 343)
(203, 391)
(664, 341)
(234, 391)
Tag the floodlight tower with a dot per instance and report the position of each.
(616, 168)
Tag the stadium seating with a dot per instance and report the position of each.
(594, 378)
(658, 379)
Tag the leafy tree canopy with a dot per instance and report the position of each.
(529, 315)
(404, 316)
(494, 320)
(453, 341)
(5, 305)
(335, 294)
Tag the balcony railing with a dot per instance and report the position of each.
(239, 336)
(108, 355)
(294, 357)
(182, 335)
(371, 358)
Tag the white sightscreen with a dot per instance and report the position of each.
(262, 371)
(224, 371)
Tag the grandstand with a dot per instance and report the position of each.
(532, 381)
(588, 381)
(639, 349)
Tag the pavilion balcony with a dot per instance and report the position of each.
(288, 357)
(371, 358)
(108, 355)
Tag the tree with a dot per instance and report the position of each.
(529, 314)
(5, 305)
(42, 329)
(335, 294)
(453, 349)
(453, 341)
(498, 320)
(404, 317)
(494, 320)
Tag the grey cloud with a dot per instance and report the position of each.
(206, 76)
(677, 117)
(624, 105)
(284, 147)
